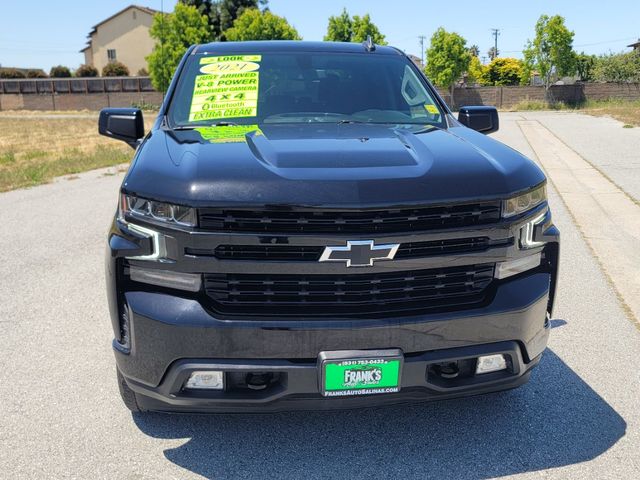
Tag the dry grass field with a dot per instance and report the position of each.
(627, 112)
(35, 147)
(38, 146)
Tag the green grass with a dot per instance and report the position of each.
(31, 154)
(536, 105)
(35, 148)
(147, 107)
(40, 169)
(7, 158)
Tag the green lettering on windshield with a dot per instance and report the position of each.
(228, 88)
(228, 133)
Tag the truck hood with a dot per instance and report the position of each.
(352, 165)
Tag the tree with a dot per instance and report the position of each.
(340, 28)
(174, 33)
(256, 25)
(493, 53)
(86, 71)
(505, 71)
(344, 28)
(447, 58)
(230, 10)
(208, 8)
(585, 65)
(115, 69)
(363, 28)
(620, 67)
(474, 50)
(222, 13)
(551, 51)
(477, 72)
(60, 71)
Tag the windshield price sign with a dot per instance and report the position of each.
(227, 88)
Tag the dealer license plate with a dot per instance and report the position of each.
(360, 372)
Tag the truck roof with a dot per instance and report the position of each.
(230, 48)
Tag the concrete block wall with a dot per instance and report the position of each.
(507, 97)
(77, 101)
(97, 93)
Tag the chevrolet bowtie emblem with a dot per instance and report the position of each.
(360, 253)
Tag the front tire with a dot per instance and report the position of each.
(128, 396)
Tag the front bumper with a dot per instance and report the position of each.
(297, 387)
(171, 336)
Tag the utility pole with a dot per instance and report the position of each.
(422, 39)
(495, 32)
(162, 41)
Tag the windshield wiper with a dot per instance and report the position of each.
(217, 124)
(224, 123)
(344, 122)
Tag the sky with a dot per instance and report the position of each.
(43, 33)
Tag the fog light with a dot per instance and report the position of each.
(209, 380)
(491, 363)
(166, 278)
(514, 267)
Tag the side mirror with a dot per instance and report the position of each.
(481, 119)
(124, 124)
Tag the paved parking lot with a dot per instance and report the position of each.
(62, 416)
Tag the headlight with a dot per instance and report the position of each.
(522, 203)
(157, 212)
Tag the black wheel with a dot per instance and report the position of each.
(128, 395)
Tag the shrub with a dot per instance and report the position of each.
(477, 72)
(86, 71)
(505, 71)
(143, 72)
(11, 73)
(60, 71)
(37, 73)
(619, 67)
(115, 69)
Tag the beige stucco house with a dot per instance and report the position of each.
(124, 37)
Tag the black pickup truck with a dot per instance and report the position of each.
(307, 226)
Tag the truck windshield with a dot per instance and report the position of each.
(304, 87)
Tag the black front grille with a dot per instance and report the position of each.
(446, 247)
(354, 295)
(288, 253)
(354, 221)
(306, 253)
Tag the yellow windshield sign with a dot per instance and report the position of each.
(228, 134)
(432, 109)
(228, 88)
(230, 67)
(230, 58)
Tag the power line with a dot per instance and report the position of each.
(604, 42)
(607, 41)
